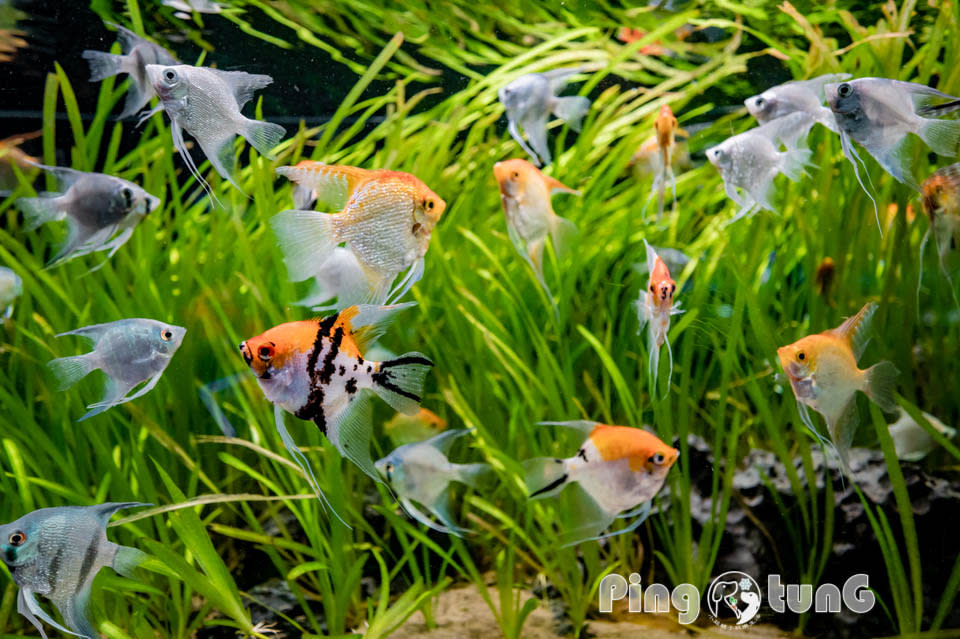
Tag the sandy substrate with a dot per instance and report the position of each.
(461, 613)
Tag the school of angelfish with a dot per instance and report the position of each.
(367, 249)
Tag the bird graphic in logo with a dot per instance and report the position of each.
(739, 593)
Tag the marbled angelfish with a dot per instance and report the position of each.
(137, 54)
(129, 351)
(101, 211)
(385, 218)
(56, 552)
(823, 373)
(316, 370)
(421, 472)
(530, 99)
(617, 469)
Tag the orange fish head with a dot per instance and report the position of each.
(662, 287)
(512, 177)
(268, 353)
(799, 360)
(428, 209)
(665, 124)
(940, 194)
(661, 458)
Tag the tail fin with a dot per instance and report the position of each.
(399, 382)
(793, 162)
(127, 559)
(571, 110)
(103, 64)
(473, 474)
(39, 210)
(942, 136)
(70, 370)
(264, 136)
(306, 238)
(544, 476)
(881, 382)
(562, 231)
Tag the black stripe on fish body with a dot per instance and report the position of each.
(89, 558)
(323, 331)
(53, 570)
(329, 368)
(351, 386)
(312, 410)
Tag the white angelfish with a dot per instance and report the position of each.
(206, 103)
(421, 472)
(130, 352)
(912, 441)
(530, 99)
(751, 160)
(800, 95)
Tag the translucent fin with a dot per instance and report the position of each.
(571, 110)
(881, 383)
(70, 370)
(441, 510)
(514, 131)
(306, 239)
(536, 131)
(851, 153)
(666, 343)
(843, 431)
(243, 84)
(221, 153)
(94, 332)
(206, 393)
(793, 163)
(942, 136)
(897, 161)
(583, 426)
(264, 136)
(113, 395)
(333, 183)
(367, 323)
(29, 608)
(411, 277)
(103, 64)
(582, 518)
(641, 513)
(654, 360)
(557, 79)
(351, 431)
(105, 511)
(399, 382)
(473, 475)
(37, 211)
(544, 476)
(444, 440)
(856, 329)
(177, 133)
(562, 231)
(127, 559)
(76, 612)
(302, 462)
(417, 514)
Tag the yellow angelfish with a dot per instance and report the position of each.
(823, 372)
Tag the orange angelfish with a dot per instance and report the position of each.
(665, 128)
(617, 469)
(525, 192)
(654, 309)
(823, 373)
(385, 218)
(316, 370)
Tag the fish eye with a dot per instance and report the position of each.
(673, 287)
(127, 194)
(515, 175)
(166, 334)
(657, 459)
(759, 101)
(18, 538)
(844, 90)
(429, 205)
(801, 356)
(170, 76)
(265, 353)
(389, 468)
(653, 288)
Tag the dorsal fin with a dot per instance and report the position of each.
(855, 330)
(555, 186)
(334, 183)
(366, 323)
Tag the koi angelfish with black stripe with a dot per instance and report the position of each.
(316, 370)
(56, 552)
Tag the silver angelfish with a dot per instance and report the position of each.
(799, 95)
(101, 211)
(206, 103)
(11, 286)
(137, 54)
(530, 99)
(751, 160)
(912, 441)
(421, 472)
(878, 113)
(56, 552)
(129, 352)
